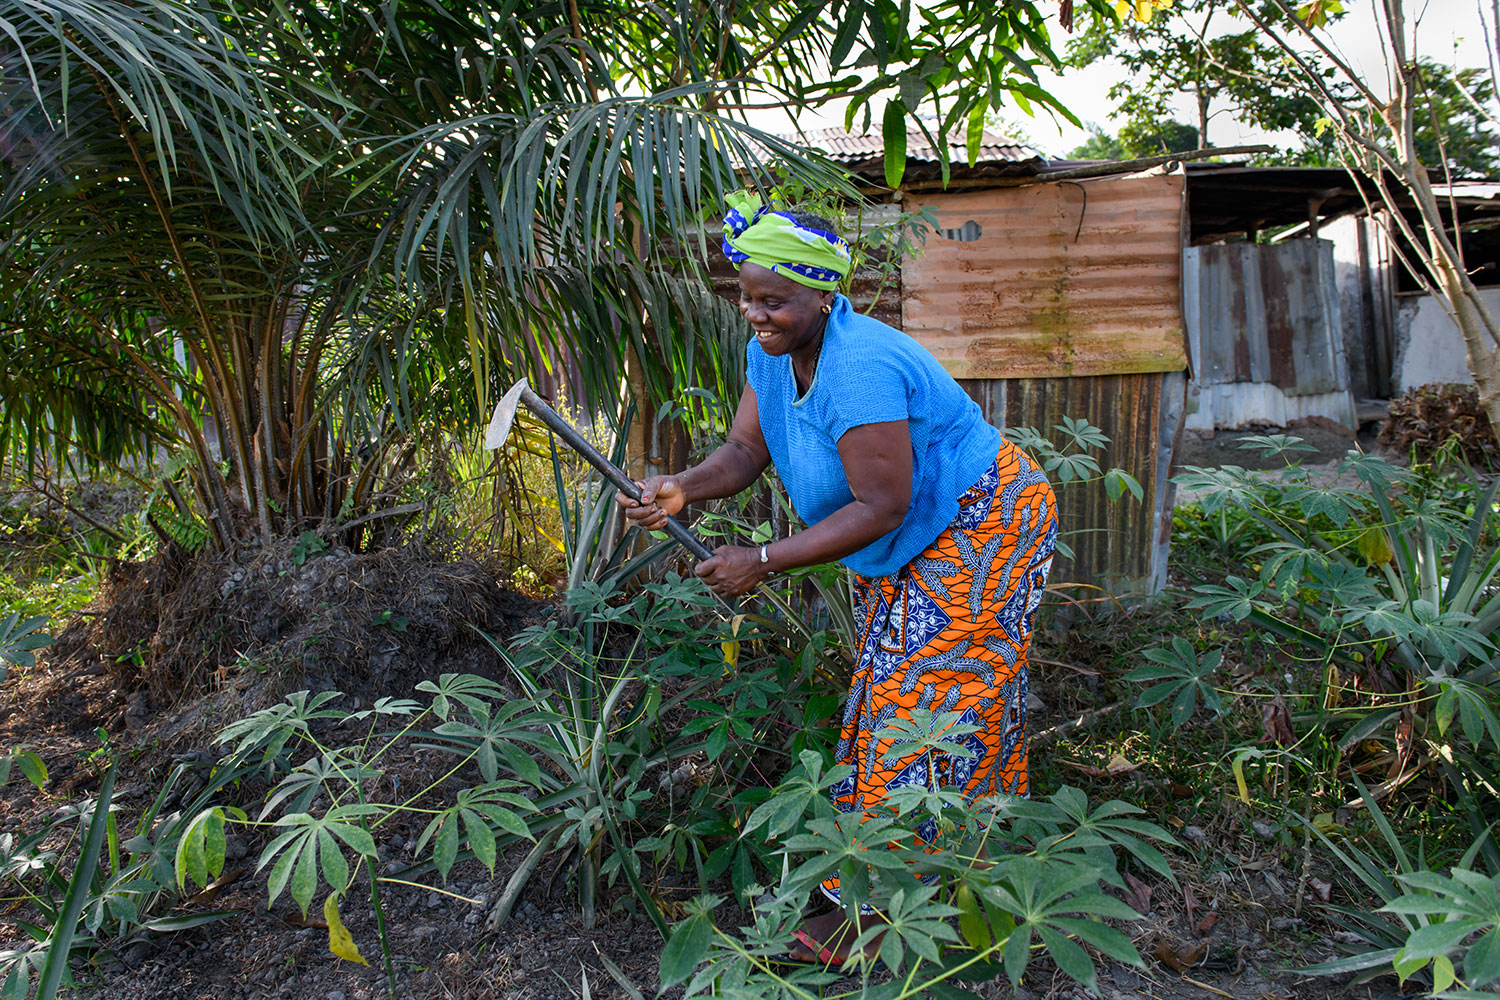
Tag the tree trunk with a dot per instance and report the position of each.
(1476, 324)
(1444, 263)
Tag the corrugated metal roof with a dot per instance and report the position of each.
(1468, 189)
(848, 148)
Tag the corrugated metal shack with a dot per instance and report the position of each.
(1052, 299)
(1266, 335)
(1266, 322)
(1141, 301)
(1323, 320)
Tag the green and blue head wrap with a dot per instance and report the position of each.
(775, 240)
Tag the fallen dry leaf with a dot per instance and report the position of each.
(1207, 923)
(1277, 722)
(1137, 894)
(1321, 888)
(1089, 769)
(1189, 902)
(1116, 767)
(211, 892)
(1405, 742)
(1179, 959)
(297, 920)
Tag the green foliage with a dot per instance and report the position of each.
(1401, 562)
(1464, 910)
(406, 207)
(31, 765)
(1069, 461)
(60, 941)
(1137, 138)
(1199, 49)
(1180, 674)
(1214, 54)
(1425, 918)
(318, 810)
(575, 765)
(1073, 462)
(959, 59)
(603, 734)
(1099, 146)
(19, 641)
(1394, 572)
(117, 889)
(1452, 127)
(1043, 889)
(308, 546)
(1154, 137)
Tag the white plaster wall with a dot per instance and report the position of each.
(1429, 347)
(1348, 277)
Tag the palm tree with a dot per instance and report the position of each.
(290, 238)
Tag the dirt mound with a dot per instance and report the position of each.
(296, 614)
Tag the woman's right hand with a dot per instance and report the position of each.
(661, 497)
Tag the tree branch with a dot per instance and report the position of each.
(1328, 53)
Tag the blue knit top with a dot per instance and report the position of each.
(869, 373)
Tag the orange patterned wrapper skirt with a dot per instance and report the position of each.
(949, 633)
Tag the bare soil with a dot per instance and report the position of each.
(175, 649)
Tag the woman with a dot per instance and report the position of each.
(949, 529)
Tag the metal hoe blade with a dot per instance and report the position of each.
(504, 416)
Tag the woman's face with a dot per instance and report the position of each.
(785, 315)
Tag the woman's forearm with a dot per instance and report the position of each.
(728, 470)
(845, 531)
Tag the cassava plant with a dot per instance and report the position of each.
(1392, 575)
(1015, 873)
(608, 674)
(121, 888)
(1424, 919)
(583, 763)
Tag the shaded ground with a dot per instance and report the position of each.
(1230, 925)
(1329, 440)
(1242, 913)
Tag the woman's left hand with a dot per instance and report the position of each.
(732, 571)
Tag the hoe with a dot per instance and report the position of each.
(505, 416)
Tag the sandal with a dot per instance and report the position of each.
(826, 959)
(826, 956)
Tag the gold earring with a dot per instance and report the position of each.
(827, 309)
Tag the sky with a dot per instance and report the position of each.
(1449, 31)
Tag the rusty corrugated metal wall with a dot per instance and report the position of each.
(1066, 278)
(1119, 547)
(1264, 330)
(1069, 303)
